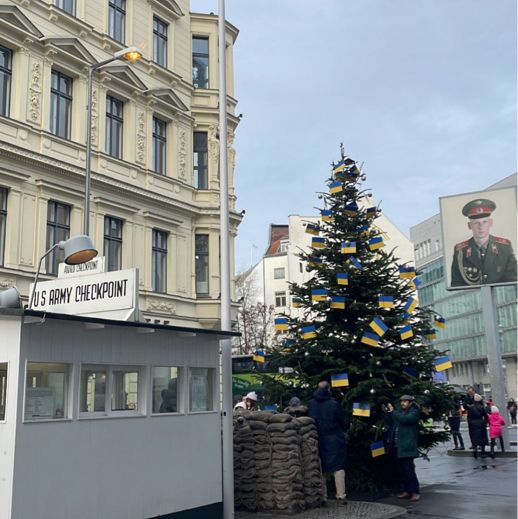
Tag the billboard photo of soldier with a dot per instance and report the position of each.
(479, 237)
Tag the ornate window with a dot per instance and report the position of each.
(159, 261)
(60, 104)
(114, 126)
(159, 145)
(201, 160)
(6, 63)
(116, 19)
(58, 229)
(68, 6)
(202, 264)
(160, 41)
(113, 243)
(200, 62)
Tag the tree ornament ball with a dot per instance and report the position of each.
(306, 354)
(378, 363)
(426, 391)
(372, 391)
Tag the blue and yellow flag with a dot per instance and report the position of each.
(348, 247)
(361, 409)
(318, 243)
(369, 338)
(356, 263)
(309, 332)
(312, 229)
(314, 261)
(340, 380)
(337, 302)
(363, 229)
(409, 373)
(376, 243)
(351, 209)
(442, 363)
(386, 301)
(319, 294)
(406, 332)
(280, 323)
(377, 449)
(378, 326)
(407, 272)
(336, 187)
(370, 212)
(439, 321)
(259, 356)
(410, 305)
(326, 215)
(296, 303)
(415, 283)
(340, 166)
(430, 334)
(342, 278)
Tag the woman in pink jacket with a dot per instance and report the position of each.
(496, 422)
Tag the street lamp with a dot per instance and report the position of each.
(130, 54)
(78, 249)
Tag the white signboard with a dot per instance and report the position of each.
(95, 266)
(110, 295)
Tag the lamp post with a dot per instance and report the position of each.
(78, 249)
(130, 54)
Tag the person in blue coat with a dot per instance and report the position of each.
(331, 426)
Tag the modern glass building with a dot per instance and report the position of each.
(464, 334)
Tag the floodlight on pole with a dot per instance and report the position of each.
(78, 249)
(131, 55)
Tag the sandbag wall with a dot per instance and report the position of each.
(276, 463)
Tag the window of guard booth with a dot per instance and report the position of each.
(46, 391)
(124, 396)
(92, 393)
(201, 389)
(3, 389)
(166, 389)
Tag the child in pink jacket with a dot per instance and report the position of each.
(496, 422)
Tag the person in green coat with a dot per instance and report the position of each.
(404, 426)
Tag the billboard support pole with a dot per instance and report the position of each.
(494, 355)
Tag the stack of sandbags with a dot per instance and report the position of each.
(287, 479)
(245, 496)
(314, 490)
(258, 422)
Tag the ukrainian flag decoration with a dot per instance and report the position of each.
(407, 272)
(319, 294)
(336, 187)
(337, 302)
(339, 167)
(415, 283)
(439, 321)
(409, 373)
(356, 263)
(342, 278)
(377, 449)
(386, 301)
(340, 380)
(296, 303)
(410, 305)
(371, 212)
(286, 346)
(442, 363)
(326, 215)
(378, 326)
(376, 243)
(361, 409)
(369, 338)
(258, 356)
(430, 334)
(318, 243)
(309, 332)
(362, 229)
(406, 332)
(280, 323)
(312, 229)
(315, 261)
(351, 209)
(348, 247)
(353, 171)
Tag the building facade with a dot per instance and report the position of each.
(155, 187)
(464, 334)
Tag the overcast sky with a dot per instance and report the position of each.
(422, 91)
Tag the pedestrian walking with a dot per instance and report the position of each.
(496, 422)
(477, 424)
(454, 423)
(405, 423)
(331, 427)
(511, 409)
(295, 408)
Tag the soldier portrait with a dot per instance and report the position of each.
(485, 256)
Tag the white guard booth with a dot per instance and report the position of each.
(108, 419)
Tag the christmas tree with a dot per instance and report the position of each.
(360, 327)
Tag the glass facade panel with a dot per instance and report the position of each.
(166, 389)
(58, 229)
(6, 62)
(201, 389)
(200, 62)
(46, 391)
